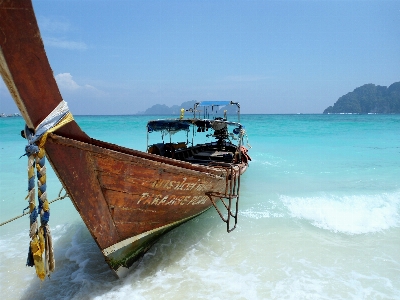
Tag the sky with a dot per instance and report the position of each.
(274, 57)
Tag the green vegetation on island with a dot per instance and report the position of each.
(369, 98)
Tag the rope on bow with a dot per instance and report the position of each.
(41, 240)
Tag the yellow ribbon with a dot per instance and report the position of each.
(67, 118)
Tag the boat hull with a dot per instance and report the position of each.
(128, 199)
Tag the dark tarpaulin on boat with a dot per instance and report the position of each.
(169, 125)
(173, 126)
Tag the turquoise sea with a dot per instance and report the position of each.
(319, 219)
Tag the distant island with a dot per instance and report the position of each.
(3, 115)
(162, 109)
(369, 98)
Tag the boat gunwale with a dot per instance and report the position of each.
(116, 150)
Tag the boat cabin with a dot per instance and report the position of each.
(207, 137)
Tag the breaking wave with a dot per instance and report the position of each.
(356, 214)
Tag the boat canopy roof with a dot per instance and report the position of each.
(169, 125)
(214, 103)
(175, 125)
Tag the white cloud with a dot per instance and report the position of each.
(67, 84)
(65, 81)
(64, 44)
(51, 25)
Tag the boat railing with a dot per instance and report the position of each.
(230, 197)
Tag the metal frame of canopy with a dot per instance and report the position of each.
(212, 104)
(172, 126)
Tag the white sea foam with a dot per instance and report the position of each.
(322, 282)
(79, 266)
(262, 210)
(355, 214)
(254, 214)
(191, 263)
(187, 278)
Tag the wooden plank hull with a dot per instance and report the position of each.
(127, 198)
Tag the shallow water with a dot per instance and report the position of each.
(319, 219)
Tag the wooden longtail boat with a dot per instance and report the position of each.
(128, 199)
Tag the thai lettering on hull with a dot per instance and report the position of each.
(158, 199)
(181, 185)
